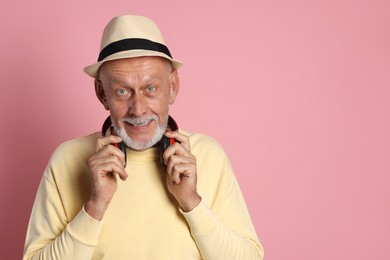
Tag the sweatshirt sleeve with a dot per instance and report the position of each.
(228, 235)
(51, 235)
(222, 230)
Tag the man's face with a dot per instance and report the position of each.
(138, 92)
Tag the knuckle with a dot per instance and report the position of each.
(174, 158)
(100, 141)
(175, 169)
(91, 161)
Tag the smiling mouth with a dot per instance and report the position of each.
(139, 124)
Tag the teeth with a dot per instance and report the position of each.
(139, 124)
(142, 121)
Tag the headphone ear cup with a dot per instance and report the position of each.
(165, 142)
(121, 146)
(106, 125)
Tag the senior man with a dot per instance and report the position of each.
(164, 194)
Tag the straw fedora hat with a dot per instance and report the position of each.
(130, 36)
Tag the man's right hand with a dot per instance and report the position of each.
(107, 162)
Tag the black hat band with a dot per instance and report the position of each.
(133, 44)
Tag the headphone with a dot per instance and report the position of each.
(165, 142)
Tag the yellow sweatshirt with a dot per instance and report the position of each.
(143, 220)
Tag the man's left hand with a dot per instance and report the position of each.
(181, 171)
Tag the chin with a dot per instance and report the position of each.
(145, 140)
(141, 143)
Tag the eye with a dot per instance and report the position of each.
(121, 92)
(150, 89)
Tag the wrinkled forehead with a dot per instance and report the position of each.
(138, 63)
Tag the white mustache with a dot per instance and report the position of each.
(140, 121)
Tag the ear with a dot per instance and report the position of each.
(174, 86)
(101, 95)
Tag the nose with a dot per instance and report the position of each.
(137, 106)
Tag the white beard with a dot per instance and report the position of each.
(139, 146)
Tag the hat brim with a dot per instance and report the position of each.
(93, 69)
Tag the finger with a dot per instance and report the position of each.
(111, 150)
(177, 149)
(96, 161)
(182, 139)
(174, 160)
(177, 159)
(106, 140)
(110, 166)
(181, 170)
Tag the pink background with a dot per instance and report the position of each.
(296, 91)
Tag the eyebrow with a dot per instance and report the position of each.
(118, 82)
(146, 81)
